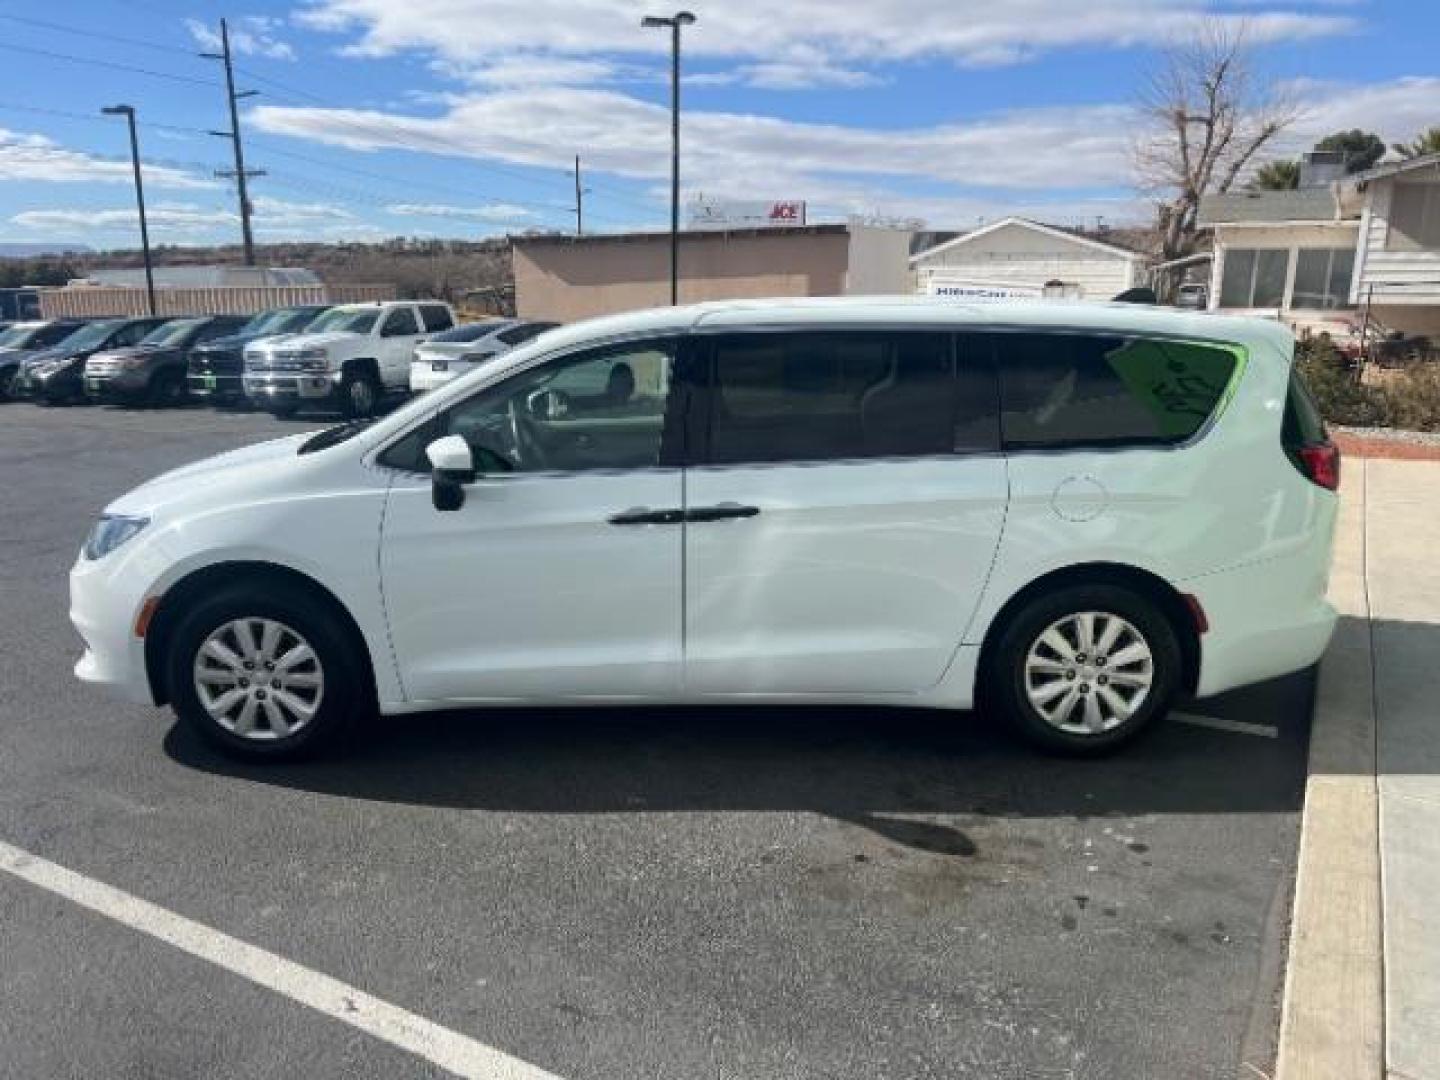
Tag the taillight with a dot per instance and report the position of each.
(1320, 462)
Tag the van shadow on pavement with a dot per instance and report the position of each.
(855, 764)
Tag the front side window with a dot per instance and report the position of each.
(1061, 391)
(601, 409)
(1254, 278)
(817, 396)
(1322, 278)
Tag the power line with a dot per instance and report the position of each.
(98, 35)
(10, 106)
(106, 64)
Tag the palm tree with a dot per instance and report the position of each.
(1276, 176)
(1428, 142)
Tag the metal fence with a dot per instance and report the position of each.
(94, 300)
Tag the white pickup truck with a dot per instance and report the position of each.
(348, 358)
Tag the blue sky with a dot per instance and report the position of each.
(461, 117)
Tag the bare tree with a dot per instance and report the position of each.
(1209, 116)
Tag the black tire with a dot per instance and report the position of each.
(359, 395)
(1005, 691)
(345, 696)
(167, 389)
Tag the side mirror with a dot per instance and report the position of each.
(452, 466)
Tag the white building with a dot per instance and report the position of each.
(1018, 257)
(1364, 247)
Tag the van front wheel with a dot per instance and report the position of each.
(1085, 668)
(262, 676)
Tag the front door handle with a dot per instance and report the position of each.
(643, 515)
(722, 512)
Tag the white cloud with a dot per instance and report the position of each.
(250, 35)
(162, 218)
(490, 214)
(976, 32)
(26, 156)
(280, 212)
(1396, 110)
(1044, 148)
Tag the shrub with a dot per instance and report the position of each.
(1343, 398)
(1414, 398)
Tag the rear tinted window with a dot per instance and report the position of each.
(466, 332)
(1075, 390)
(826, 396)
(436, 317)
(1302, 424)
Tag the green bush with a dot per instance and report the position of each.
(1409, 399)
(1342, 398)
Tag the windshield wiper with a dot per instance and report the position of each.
(334, 436)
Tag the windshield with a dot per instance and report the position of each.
(93, 334)
(263, 322)
(351, 321)
(16, 335)
(297, 319)
(468, 332)
(172, 333)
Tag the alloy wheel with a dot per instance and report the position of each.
(1088, 672)
(259, 679)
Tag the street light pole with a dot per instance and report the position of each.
(674, 22)
(129, 113)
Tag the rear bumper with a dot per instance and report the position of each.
(1266, 619)
(423, 377)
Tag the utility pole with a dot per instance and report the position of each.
(239, 174)
(128, 112)
(579, 201)
(674, 22)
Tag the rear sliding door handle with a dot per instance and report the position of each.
(643, 515)
(722, 512)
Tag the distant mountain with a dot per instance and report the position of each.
(25, 251)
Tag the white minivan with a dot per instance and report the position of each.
(1066, 513)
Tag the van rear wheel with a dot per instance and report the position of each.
(263, 676)
(1084, 669)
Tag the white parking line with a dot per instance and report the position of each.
(1238, 727)
(448, 1049)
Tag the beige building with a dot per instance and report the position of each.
(564, 278)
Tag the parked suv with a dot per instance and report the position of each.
(348, 358)
(153, 369)
(217, 367)
(1069, 513)
(56, 374)
(458, 351)
(23, 340)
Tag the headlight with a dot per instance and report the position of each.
(110, 532)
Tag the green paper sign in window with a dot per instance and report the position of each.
(1179, 383)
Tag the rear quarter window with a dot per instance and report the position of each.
(1062, 391)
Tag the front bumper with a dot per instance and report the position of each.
(104, 604)
(288, 387)
(117, 386)
(215, 386)
(56, 386)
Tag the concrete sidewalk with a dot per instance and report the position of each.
(1363, 985)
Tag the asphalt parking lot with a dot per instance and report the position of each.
(723, 893)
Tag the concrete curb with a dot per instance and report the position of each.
(1332, 1018)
